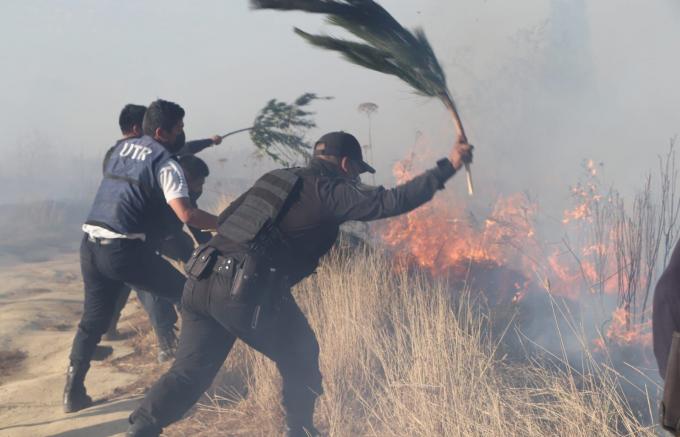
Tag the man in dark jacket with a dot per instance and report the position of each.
(268, 240)
(141, 179)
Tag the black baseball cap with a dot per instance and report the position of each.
(342, 144)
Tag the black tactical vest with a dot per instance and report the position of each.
(261, 207)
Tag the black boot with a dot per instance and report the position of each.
(141, 425)
(167, 344)
(75, 396)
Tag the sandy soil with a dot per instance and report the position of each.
(40, 304)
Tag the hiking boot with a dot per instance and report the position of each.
(75, 395)
(167, 345)
(142, 426)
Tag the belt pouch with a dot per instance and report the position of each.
(244, 278)
(200, 263)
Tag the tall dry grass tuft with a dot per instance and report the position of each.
(402, 356)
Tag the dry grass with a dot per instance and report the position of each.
(401, 357)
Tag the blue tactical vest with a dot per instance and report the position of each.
(130, 199)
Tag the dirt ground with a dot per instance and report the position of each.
(40, 304)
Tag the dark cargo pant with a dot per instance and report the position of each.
(211, 323)
(106, 268)
(161, 311)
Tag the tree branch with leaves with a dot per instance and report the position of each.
(279, 129)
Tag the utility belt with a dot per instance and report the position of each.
(253, 280)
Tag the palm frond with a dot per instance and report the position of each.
(358, 53)
(323, 6)
(385, 46)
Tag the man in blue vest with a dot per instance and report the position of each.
(239, 283)
(141, 179)
(161, 312)
(169, 236)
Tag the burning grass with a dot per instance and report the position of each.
(402, 356)
(606, 253)
(481, 326)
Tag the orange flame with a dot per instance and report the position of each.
(445, 238)
(623, 333)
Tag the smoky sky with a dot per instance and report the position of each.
(541, 85)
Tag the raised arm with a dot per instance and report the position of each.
(195, 146)
(351, 201)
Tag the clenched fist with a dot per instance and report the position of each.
(461, 154)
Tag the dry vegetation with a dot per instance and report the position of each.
(402, 357)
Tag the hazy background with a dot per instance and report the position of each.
(541, 85)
